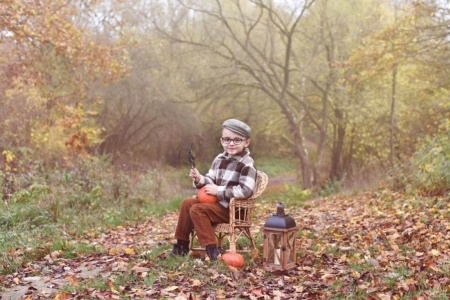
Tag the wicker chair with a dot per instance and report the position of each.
(241, 214)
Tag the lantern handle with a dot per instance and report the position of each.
(280, 209)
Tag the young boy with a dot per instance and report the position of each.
(232, 174)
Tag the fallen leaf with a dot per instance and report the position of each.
(171, 288)
(140, 269)
(72, 279)
(112, 289)
(114, 251)
(130, 251)
(196, 282)
(257, 292)
(63, 295)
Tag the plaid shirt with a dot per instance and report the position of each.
(235, 176)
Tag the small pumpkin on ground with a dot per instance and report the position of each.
(203, 197)
(233, 259)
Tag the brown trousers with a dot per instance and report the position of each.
(201, 217)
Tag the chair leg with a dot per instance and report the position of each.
(193, 237)
(250, 237)
(220, 237)
(232, 241)
(243, 232)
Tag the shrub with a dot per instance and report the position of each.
(430, 168)
(294, 195)
(331, 187)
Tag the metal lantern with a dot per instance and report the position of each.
(280, 232)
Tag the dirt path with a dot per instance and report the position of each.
(281, 180)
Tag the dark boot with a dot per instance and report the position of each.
(180, 249)
(212, 251)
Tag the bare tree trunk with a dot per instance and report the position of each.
(336, 172)
(392, 117)
(302, 154)
(322, 141)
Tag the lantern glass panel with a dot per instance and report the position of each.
(291, 247)
(275, 240)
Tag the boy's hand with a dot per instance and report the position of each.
(194, 174)
(211, 189)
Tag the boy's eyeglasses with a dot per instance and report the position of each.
(236, 141)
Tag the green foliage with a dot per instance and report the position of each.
(276, 166)
(330, 188)
(27, 215)
(2, 188)
(294, 195)
(430, 170)
(163, 207)
(98, 283)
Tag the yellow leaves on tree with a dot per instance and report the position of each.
(48, 65)
(82, 134)
(39, 25)
(8, 158)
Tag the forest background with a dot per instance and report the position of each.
(101, 99)
(349, 90)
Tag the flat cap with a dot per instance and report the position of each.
(238, 127)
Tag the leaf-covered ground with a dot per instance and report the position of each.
(369, 246)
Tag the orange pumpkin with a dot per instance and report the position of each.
(203, 197)
(233, 259)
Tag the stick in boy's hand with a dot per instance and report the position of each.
(191, 157)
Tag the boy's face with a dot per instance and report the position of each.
(230, 140)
